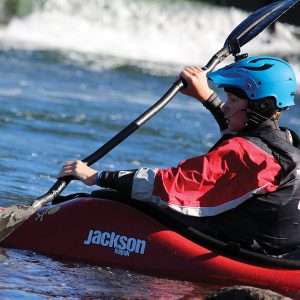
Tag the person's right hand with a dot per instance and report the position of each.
(197, 83)
(79, 170)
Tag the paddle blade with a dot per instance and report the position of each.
(13, 216)
(256, 22)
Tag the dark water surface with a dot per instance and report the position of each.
(27, 275)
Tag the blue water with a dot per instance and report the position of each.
(58, 104)
(28, 275)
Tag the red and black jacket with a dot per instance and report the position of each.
(268, 221)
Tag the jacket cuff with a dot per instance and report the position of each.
(143, 184)
(213, 102)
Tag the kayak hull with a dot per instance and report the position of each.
(111, 233)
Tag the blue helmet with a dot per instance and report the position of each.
(260, 77)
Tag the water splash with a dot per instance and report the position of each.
(157, 35)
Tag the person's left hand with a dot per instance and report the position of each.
(79, 170)
(197, 83)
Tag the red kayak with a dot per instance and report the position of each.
(107, 232)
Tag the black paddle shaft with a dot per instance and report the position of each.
(61, 183)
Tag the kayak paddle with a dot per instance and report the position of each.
(13, 216)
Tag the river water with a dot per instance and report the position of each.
(72, 76)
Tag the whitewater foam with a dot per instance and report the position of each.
(157, 35)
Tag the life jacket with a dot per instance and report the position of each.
(269, 222)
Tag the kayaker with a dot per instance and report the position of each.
(246, 188)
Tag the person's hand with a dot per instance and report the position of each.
(79, 170)
(197, 83)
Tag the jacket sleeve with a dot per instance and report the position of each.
(210, 184)
(117, 180)
(214, 105)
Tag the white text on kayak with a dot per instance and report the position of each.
(122, 244)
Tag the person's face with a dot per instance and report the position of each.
(235, 112)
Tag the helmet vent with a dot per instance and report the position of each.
(261, 68)
(261, 58)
